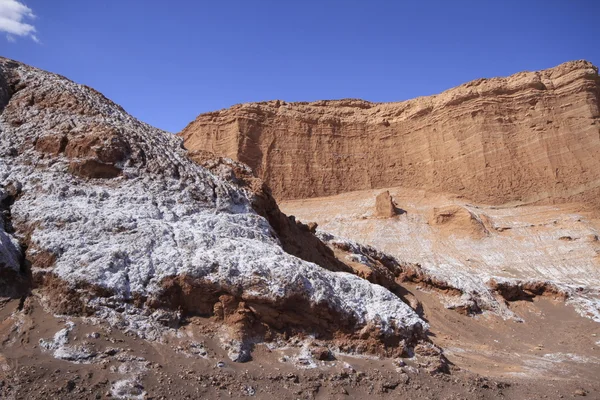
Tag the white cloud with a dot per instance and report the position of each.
(12, 16)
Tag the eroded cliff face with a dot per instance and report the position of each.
(531, 137)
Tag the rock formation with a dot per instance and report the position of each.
(384, 205)
(457, 220)
(477, 257)
(102, 212)
(531, 137)
(112, 232)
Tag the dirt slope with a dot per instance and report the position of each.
(188, 364)
(534, 136)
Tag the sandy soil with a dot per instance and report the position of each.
(553, 341)
(491, 359)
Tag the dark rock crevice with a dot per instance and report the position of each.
(527, 290)
(6, 91)
(13, 283)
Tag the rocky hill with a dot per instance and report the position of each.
(131, 268)
(101, 210)
(530, 137)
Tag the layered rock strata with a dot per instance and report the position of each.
(530, 137)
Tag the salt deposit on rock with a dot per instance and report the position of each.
(60, 348)
(109, 206)
(464, 246)
(107, 223)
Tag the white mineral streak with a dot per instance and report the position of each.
(165, 216)
(61, 350)
(551, 244)
(475, 288)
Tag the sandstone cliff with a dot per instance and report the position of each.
(531, 137)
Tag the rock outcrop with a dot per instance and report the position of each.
(384, 205)
(457, 220)
(475, 257)
(531, 137)
(296, 238)
(101, 211)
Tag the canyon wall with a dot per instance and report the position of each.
(530, 137)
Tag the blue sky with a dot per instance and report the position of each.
(167, 61)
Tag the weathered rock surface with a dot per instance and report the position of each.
(85, 358)
(107, 211)
(476, 257)
(531, 137)
(459, 221)
(384, 205)
(296, 238)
